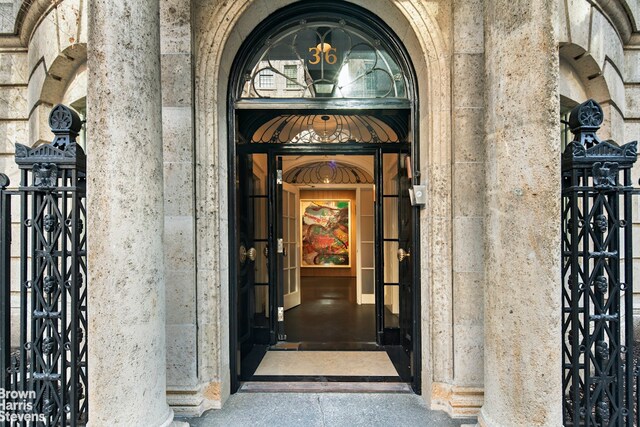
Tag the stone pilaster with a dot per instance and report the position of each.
(127, 356)
(522, 378)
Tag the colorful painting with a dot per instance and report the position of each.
(325, 233)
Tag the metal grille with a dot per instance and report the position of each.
(597, 293)
(337, 57)
(327, 172)
(324, 128)
(49, 363)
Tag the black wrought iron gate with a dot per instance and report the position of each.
(597, 274)
(43, 376)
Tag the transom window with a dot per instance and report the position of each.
(324, 58)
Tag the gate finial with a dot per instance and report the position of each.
(584, 121)
(65, 125)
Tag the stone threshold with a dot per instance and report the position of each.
(323, 387)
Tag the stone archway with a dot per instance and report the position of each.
(220, 31)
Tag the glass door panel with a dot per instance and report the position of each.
(391, 306)
(291, 270)
(250, 327)
(406, 273)
(390, 245)
(367, 243)
(261, 322)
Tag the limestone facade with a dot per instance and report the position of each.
(493, 76)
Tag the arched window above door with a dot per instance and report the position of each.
(324, 128)
(327, 172)
(324, 57)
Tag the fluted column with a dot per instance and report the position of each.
(127, 351)
(522, 213)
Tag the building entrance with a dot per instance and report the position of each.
(322, 163)
(325, 261)
(328, 207)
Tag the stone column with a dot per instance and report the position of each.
(127, 351)
(522, 211)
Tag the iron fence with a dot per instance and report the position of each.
(44, 374)
(47, 366)
(597, 272)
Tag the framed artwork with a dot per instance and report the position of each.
(325, 231)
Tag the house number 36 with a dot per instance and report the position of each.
(329, 55)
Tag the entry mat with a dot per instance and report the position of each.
(326, 363)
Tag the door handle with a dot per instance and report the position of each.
(266, 251)
(402, 254)
(247, 253)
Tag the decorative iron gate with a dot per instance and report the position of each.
(597, 292)
(46, 369)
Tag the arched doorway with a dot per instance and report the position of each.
(329, 83)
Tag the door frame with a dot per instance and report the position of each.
(358, 189)
(376, 151)
(288, 304)
(337, 106)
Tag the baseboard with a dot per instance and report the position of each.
(368, 299)
(457, 401)
(194, 401)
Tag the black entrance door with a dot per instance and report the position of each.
(259, 299)
(406, 273)
(276, 261)
(243, 336)
(396, 274)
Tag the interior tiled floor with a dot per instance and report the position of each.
(329, 313)
(327, 363)
(328, 335)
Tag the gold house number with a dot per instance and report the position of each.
(326, 49)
